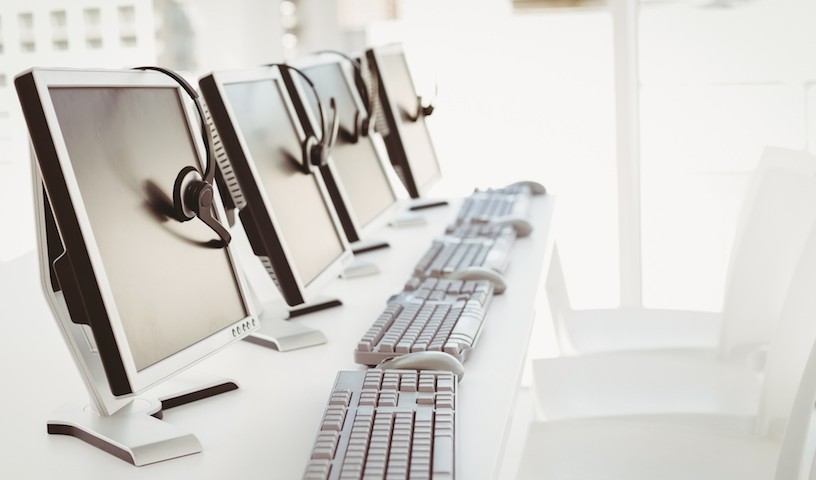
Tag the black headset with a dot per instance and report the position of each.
(193, 192)
(362, 121)
(421, 109)
(315, 150)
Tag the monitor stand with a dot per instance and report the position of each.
(359, 268)
(277, 332)
(320, 303)
(283, 336)
(422, 204)
(365, 246)
(407, 220)
(135, 433)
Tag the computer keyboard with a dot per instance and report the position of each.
(491, 205)
(388, 424)
(480, 230)
(429, 315)
(447, 254)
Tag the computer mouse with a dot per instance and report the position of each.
(535, 187)
(521, 225)
(425, 361)
(480, 273)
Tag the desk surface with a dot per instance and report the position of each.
(267, 427)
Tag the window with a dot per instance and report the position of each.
(93, 30)
(26, 21)
(59, 33)
(127, 26)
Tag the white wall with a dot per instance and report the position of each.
(55, 33)
(717, 85)
(223, 35)
(525, 96)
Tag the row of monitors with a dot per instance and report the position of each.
(153, 294)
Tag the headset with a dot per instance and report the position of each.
(422, 109)
(193, 192)
(363, 122)
(315, 150)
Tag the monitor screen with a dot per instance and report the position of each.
(415, 141)
(170, 286)
(300, 208)
(358, 165)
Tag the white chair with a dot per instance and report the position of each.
(767, 444)
(699, 380)
(772, 219)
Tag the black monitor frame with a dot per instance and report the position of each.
(366, 150)
(401, 152)
(81, 295)
(77, 271)
(244, 184)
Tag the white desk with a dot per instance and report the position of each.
(265, 429)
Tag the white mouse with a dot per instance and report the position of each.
(522, 226)
(480, 273)
(535, 187)
(425, 361)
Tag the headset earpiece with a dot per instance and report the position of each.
(429, 108)
(318, 155)
(193, 197)
(184, 179)
(309, 148)
(320, 151)
(361, 124)
(426, 109)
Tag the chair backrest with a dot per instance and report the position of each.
(789, 386)
(777, 215)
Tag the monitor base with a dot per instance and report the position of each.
(135, 433)
(284, 336)
(360, 269)
(407, 220)
(316, 305)
(189, 387)
(363, 246)
(423, 204)
(278, 333)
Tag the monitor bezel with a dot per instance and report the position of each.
(393, 139)
(286, 276)
(362, 230)
(78, 240)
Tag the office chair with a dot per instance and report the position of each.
(723, 378)
(770, 220)
(768, 443)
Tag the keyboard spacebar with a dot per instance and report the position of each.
(443, 457)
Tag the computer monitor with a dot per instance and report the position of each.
(283, 203)
(406, 134)
(357, 174)
(139, 296)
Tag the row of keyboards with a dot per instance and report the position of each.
(383, 423)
